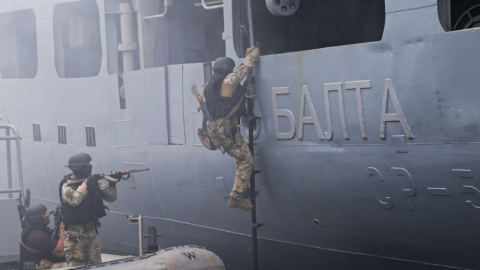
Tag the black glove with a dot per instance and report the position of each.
(117, 175)
(252, 80)
(92, 178)
(264, 48)
(261, 45)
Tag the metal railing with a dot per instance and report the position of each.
(211, 7)
(169, 3)
(15, 137)
(166, 4)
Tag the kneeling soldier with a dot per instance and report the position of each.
(37, 248)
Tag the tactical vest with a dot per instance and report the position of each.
(91, 209)
(218, 106)
(35, 255)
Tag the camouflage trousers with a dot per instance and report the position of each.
(236, 147)
(82, 246)
(29, 266)
(45, 264)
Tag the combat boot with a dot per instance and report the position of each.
(240, 204)
(246, 195)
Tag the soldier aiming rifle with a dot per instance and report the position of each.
(81, 197)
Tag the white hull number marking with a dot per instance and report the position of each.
(358, 86)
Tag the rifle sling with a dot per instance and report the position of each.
(30, 249)
(234, 108)
(231, 112)
(75, 181)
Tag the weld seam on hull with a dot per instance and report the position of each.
(298, 244)
(45, 199)
(408, 9)
(282, 241)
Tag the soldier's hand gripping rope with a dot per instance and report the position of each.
(263, 47)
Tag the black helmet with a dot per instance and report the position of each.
(35, 212)
(78, 160)
(225, 64)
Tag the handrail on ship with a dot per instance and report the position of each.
(8, 138)
(166, 4)
(211, 7)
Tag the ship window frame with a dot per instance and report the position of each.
(19, 17)
(189, 34)
(444, 14)
(453, 12)
(313, 29)
(84, 53)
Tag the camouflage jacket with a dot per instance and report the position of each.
(74, 195)
(230, 83)
(233, 79)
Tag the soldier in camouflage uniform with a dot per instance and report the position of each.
(225, 101)
(83, 206)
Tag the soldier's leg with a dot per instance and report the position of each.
(92, 253)
(58, 265)
(244, 166)
(94, 249)
(74, 246)
(224, 131)
(29, 266)
(236, 147)
(45, 264)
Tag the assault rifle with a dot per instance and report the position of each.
(22, 205)
(110, 177)
(58, 215)
(207, 115)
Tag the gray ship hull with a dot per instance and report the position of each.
(392, 203)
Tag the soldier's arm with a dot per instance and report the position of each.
(233, 79)
(59, 250)
(73, 197)
(109, 193)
